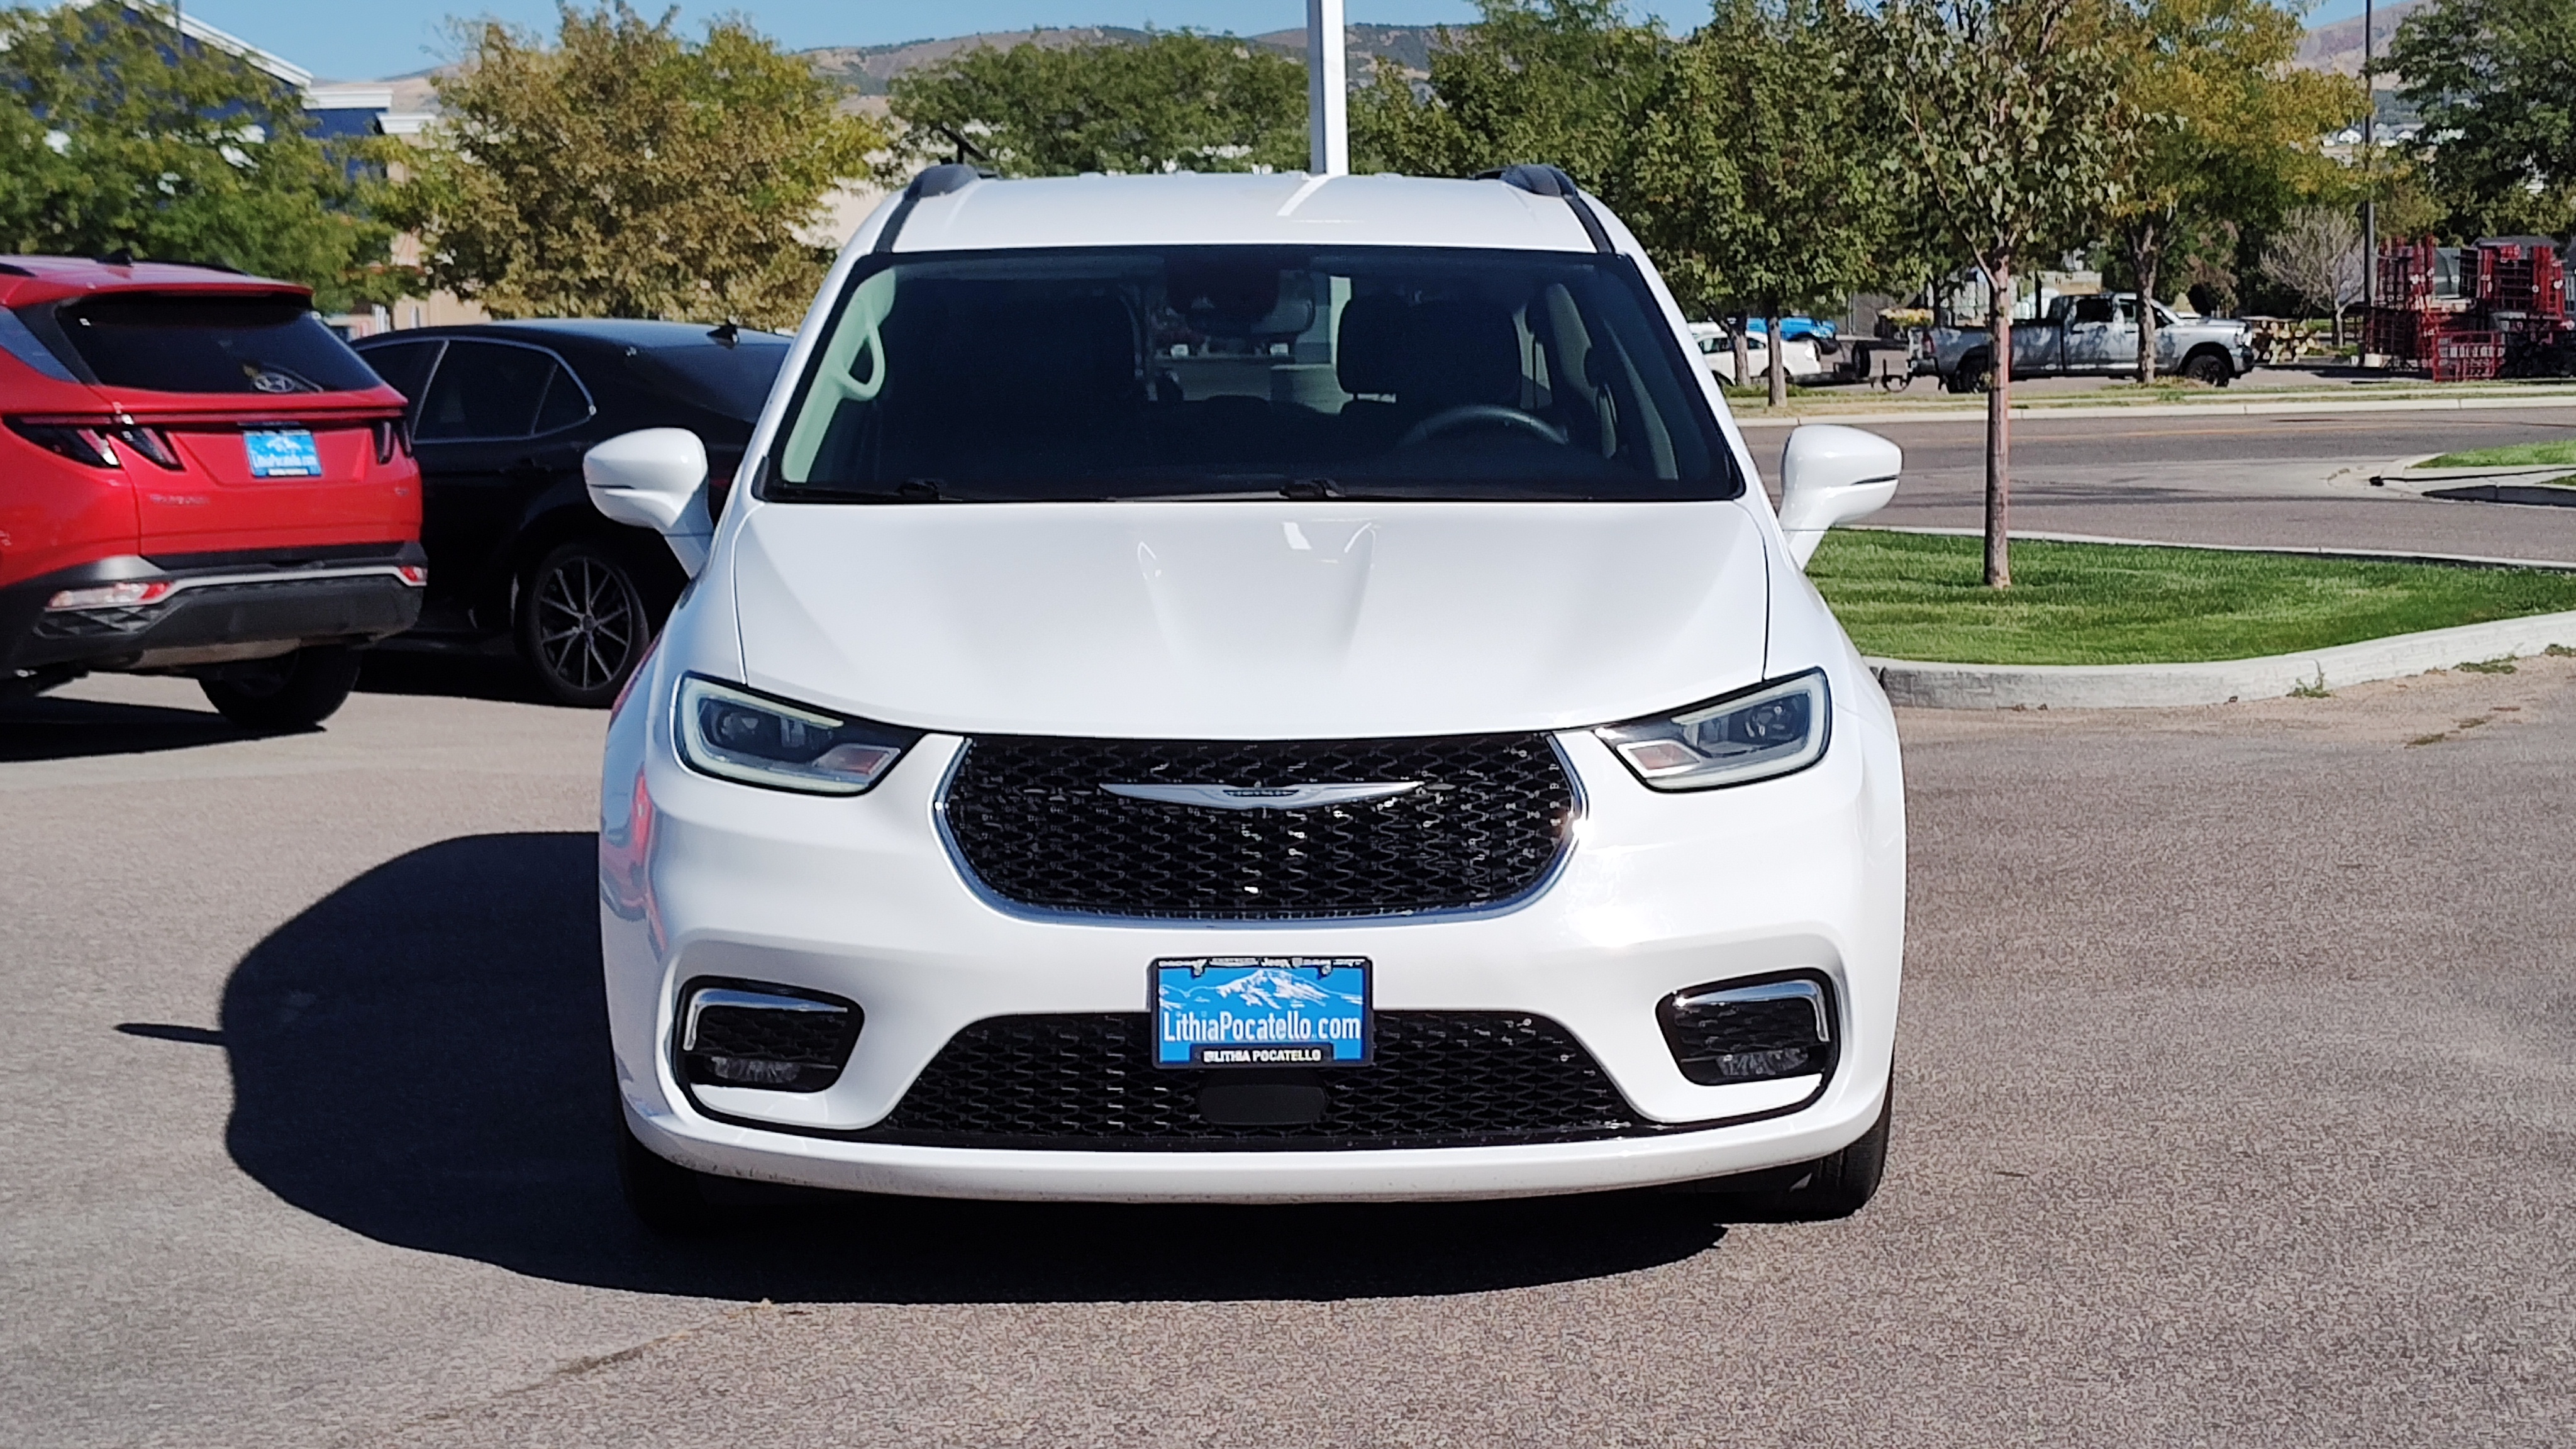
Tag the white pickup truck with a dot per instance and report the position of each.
(2096, 335)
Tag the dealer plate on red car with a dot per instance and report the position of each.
(1262, 1011)
(282, 453)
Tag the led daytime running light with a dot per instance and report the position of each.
(1761, 733)
(736, 735)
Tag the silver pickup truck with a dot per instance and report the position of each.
(2094, 335)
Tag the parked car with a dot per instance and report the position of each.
(1418, 773)
(197, 477)
(1800, 353)
(500, 416)
(2098, 335)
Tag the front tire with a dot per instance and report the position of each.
(1814, 1192)
(294, 692)
(585, 620)
(2209, 370)
(1841, 1185)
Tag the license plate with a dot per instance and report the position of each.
(283, 453)
(1262, 1011)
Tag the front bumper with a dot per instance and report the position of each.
(229, 605)
(859, 898)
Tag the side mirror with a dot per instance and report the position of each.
(655, 478)
(1831, 475)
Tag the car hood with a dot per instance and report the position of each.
(1250, 620)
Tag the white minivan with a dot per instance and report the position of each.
(1250, 688)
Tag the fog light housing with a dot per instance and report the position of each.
(771, 1038)
(1754, 1029)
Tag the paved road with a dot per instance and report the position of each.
(2283, 480)
(2238, 1106)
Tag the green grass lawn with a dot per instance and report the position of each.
(2514, 456)
(1922, 596)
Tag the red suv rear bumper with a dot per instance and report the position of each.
(182, 612)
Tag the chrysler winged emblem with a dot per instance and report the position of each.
(1270, 797)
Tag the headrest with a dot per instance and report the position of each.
(1366, 346)
(1458, 352)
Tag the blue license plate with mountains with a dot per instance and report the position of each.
(282, 453)
(1262, 1011)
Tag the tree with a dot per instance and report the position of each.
(2492, 81)
(2228, 133)
(2010, 126)
(1571, 83)
(1763, 169)
(2316, 256)
(1178, 100)
(117, 135)
(628, 172)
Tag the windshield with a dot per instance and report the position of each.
(1235, 371)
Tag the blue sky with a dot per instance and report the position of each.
(340, 41)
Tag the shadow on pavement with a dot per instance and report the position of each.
(395, 669)
(422, 1058)
(47, 728)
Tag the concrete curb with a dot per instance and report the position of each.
(2525, 484)
(2139, 686)
(2488, 402)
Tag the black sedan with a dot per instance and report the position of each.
(500, 416)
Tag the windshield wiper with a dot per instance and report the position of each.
(1285, 487)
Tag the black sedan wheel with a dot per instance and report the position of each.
(584, 623)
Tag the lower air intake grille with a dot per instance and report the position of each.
(1484, 819)
(1441, 1078)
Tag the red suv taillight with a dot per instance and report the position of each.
(92, 442)
(391, 438)
(83, 443)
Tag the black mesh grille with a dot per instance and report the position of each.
(1035, 825)
(818, 1038)
(1441, 1078)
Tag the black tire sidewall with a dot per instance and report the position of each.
(312, 686)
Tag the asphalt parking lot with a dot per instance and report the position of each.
(2237, 1106)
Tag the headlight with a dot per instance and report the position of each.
(1770, 729)
(742, 736)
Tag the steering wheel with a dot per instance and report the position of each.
(1449, 420)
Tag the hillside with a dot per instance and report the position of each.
(2337, 47)
(867, 68)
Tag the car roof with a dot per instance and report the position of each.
(638, 333)
(25, 280)
(1284, 208)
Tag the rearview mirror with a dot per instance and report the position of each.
(1831, 475)
(655, 478)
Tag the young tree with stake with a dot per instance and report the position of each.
(2009, 125)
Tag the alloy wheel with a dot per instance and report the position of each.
(589, 622)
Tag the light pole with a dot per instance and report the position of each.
(1328, 104)
(2369, 171)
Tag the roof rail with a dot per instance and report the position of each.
(1539, 180)
(936, 181)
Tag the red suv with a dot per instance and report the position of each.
(196, 477)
